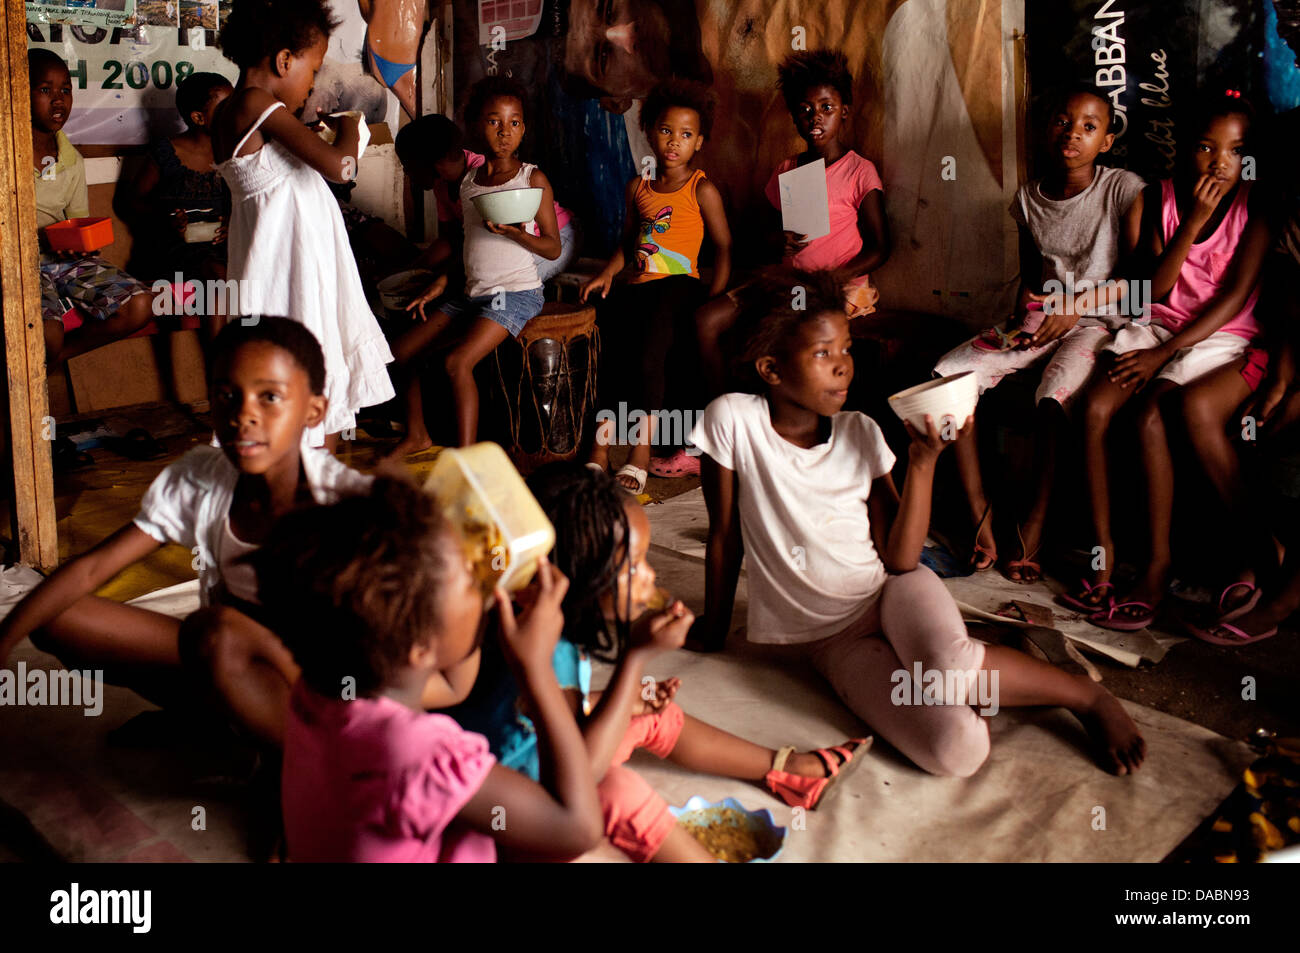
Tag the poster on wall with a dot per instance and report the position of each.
(1154, 62)
(82, 12)
(931, 82)
(124, 78)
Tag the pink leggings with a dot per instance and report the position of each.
(914, 620)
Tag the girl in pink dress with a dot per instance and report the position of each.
(375, 598)
(1208, 246)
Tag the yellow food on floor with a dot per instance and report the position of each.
(730, 835)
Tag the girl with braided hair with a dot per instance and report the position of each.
(602, 538)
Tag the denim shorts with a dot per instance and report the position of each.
(517, 308)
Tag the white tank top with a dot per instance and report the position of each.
(239, 578)
(494, 261)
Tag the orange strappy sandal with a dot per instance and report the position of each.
(799, 791)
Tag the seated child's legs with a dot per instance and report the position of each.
(495, 317)
(656, 732)
(132, 646)
(250, 668)
(116, 304)
(990, 367)
(637, 821)
(712, 322)
(1067, 373)
(548, 269)
(947, 740)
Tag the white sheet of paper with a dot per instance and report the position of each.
(805, 203)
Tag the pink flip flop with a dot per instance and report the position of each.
(1252, 597)
(680, 464)
(1238, 636)
(1106, 617)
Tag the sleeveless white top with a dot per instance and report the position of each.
(289, 251)
(494, 261)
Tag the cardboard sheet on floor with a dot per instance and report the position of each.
(1036, 798)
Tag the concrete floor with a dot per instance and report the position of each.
(1196, 682)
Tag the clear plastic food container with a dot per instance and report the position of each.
(504, 528)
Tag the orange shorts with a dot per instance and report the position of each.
(636, 818)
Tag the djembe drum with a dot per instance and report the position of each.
(546, 382)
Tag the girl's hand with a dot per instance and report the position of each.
(1136, 368)
(1265, 400)
(531, 640)
(663, 694)
(430, 293)
(512, 232)
(1058, 317)
(794, 243)
(180, 220)
(600, 284)
(1205, 197)
(936, 438)
(657, 632)
(223, 228)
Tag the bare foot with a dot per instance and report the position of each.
(1121, 745)
(809, 765)
(409, 445)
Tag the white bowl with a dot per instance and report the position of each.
(953, 396)
(399, 290)
(201, 231)
(509, 207)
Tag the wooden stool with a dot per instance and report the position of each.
(546, 380)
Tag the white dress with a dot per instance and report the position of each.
(289, 251)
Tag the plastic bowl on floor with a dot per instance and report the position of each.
(510, 206)
(770, 837)
(953, 396)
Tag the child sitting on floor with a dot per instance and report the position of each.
(1077, 224)
(267, 381)
(502, 289)
(602, 540)
(376, 598)
(804, 492)
(1208, 245)
(818, 91)
(117, 304)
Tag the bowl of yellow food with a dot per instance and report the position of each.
(732, 832)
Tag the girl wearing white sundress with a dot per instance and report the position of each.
(288, 246)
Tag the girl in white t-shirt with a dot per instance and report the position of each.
(268, 388)
(804, 490)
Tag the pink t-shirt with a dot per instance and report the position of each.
(849, 179)
(1207, 264)
(449, 209)
(371, 781)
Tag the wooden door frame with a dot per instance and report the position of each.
(30, 428)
